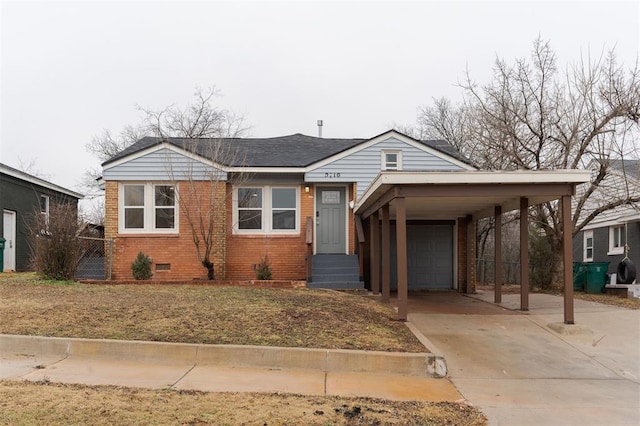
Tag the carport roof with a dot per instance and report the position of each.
(446, 195)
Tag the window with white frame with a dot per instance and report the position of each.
(391, 160)
(148, 207)
(588, 246)
(266, 209)
(616, 239)
(44, 207)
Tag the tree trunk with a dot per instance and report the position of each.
(210, 271)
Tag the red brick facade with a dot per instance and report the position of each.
(234, 256)
(462, 257)
(176, 250)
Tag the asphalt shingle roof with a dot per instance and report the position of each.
(295, 150)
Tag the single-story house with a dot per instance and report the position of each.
(614, 234)
(334, 212)
(21, 196)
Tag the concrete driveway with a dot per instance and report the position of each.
(519, 371)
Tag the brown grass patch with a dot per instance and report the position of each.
(61, 404)
(200, 314)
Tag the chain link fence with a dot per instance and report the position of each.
(485, 272)
(95, 258)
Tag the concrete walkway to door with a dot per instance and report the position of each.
(519, 371)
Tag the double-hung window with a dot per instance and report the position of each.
(266, 209)
(588, 246)
(249, 206)
(148, 207)
(616, 239)
(391, 160)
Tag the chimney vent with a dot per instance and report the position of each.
(319, 128)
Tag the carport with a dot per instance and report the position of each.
(466, 197)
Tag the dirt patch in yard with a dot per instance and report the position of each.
(201, 314)
(62, 404)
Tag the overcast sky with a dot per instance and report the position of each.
(69, 70)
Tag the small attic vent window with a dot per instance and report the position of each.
(163, 266)
(391, 160)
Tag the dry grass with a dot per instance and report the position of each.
(25, 403)
(200, 314)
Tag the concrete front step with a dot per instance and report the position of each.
(320, 260)
(336, 271)
(337, 285)
(335, 277)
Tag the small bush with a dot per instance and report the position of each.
(263, 270)
(141, 267)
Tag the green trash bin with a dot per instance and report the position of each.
(596, 277)
(2, 241)
(579, 276)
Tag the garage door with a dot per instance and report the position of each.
(429, 257)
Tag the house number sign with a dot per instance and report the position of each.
(332, 175)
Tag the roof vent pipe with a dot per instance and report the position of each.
(319, 128)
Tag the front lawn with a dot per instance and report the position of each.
(200, 314)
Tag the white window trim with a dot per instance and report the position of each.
(149, 209)
(383, 159)
(615, 250)
(586, 235)
(45, 213)
(267, 212)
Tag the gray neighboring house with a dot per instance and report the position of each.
(604, 239)
(22, 195)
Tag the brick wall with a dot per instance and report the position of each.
(286, 253)
(462, 257)
(462, 254)
(177, 250)
(235, 256)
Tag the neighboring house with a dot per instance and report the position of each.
(613, 234)
(21, 196)
(324, 210)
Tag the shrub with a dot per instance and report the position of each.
(541, 260)
(55, 249)
(263, 270)
(141, 267)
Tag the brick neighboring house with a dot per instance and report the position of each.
(387, 211)
(21, 196)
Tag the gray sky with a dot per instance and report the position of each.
(71, 69)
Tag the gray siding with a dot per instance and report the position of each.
(23, 198)
(364, 165)
(601, 246)
(163, 165)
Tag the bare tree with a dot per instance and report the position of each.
(53, 238)
(200, 118)
(532, 116)
(202, 190)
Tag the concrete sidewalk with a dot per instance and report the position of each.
(225, 368)
(526, 368)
